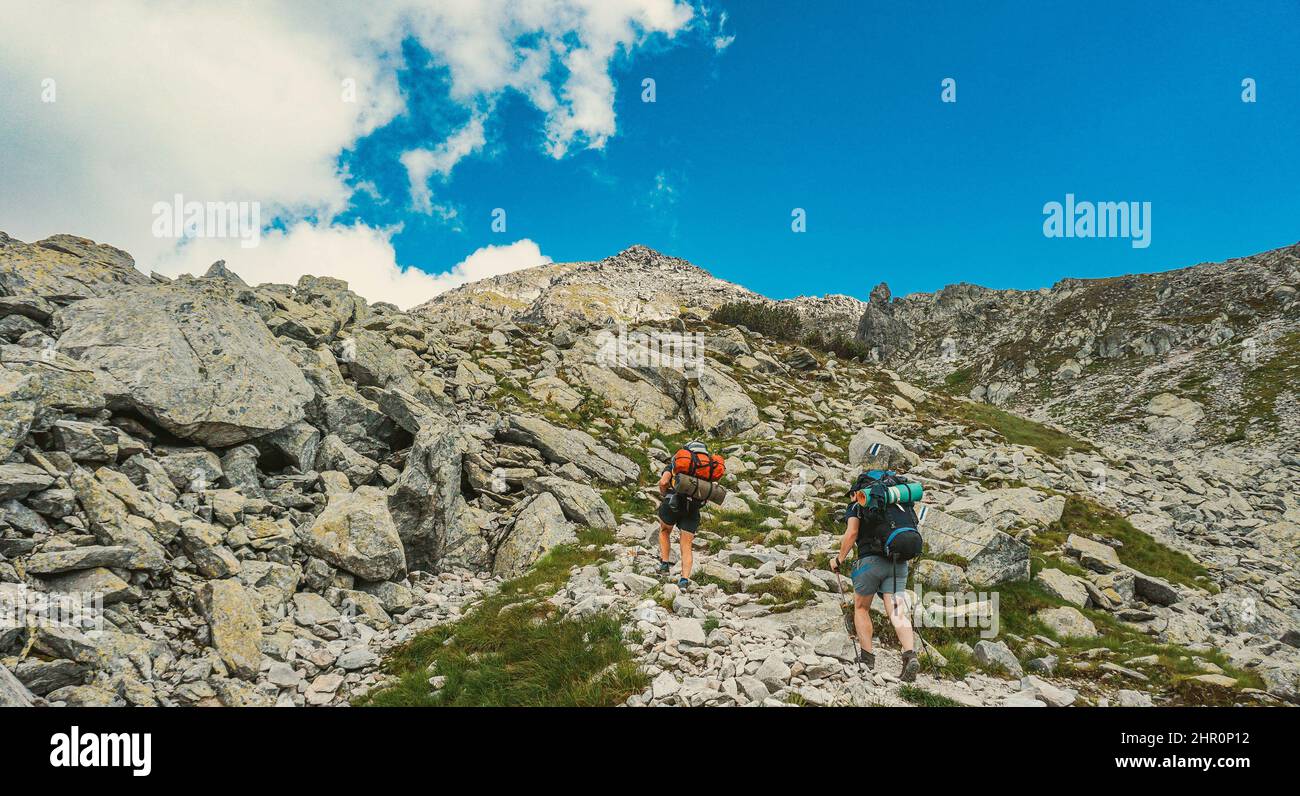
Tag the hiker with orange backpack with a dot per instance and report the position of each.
(683, 511)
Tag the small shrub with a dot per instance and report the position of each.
(781, 323)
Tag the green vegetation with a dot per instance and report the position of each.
(1272, 378)
(782, 591)
(746, 526)
(1139, 550)
(512, 650)
(781, 323)
(1017, 430)
(840, 345)
(926, 699)
(958, 382)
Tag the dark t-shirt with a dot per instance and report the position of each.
(869, 540)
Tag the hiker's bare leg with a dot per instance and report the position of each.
(685, 540)
(897, 611)
(665, 545)
(862, 620)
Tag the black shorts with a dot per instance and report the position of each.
(680, 511)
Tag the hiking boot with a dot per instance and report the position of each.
(867, 659)
(664, 566)
(683, 583)
(911, 666)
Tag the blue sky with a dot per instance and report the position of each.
(835, 107)
(377, 139)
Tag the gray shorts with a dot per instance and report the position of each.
(879, 575)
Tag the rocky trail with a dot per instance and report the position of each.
(285, 495)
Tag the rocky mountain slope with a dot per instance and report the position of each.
(637, 284)
(1200, 356)
(283, 494)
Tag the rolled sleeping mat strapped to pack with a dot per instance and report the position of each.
(904, 493)
(699, 489)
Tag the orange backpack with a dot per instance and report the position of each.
(701, 465)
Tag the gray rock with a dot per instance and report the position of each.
(562, 445)
(13, 694)
(42, 677)
(580, 502)
(204, 544)
(753, 688)
(1068, 622)
(54, 562)
(202, 366)
(688, 632)
(192, 469)
(435, 523)
(539, 526)
(296, 443)
(664, 686)
(838, 646)
(235, 628)
(100, 580)
(312, 609)
(1063, 586)
(773, 672)
(1154, 590)
(355, 659)
(18, 404)
(1094, 555)
(1042, 690)
(20, 480)
(718, 405)
(1127, 698)
(891, 455)
(239, 470)
(113, 525)
(356, 533)
(996, 656)
(64, 266)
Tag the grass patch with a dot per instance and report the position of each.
(781, 590)
(512, 650)
(1139, 551)
(1015, 429)
(1273, 377)
(926, 699)
(958, 381)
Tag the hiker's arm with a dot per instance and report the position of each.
(664, 480)
(850, 536)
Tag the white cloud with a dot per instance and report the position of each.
(421, 164)
(248, 102)
(491, 261)
(358, 254)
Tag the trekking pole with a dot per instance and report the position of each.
(847, 617)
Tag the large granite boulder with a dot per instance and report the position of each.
(64, 267)
(356, 533)
(563, 445)
(539, 526)
(437, 527)
(871, 449)
(198, 363)
(718, 405)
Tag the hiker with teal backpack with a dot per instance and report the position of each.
(882, 533)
